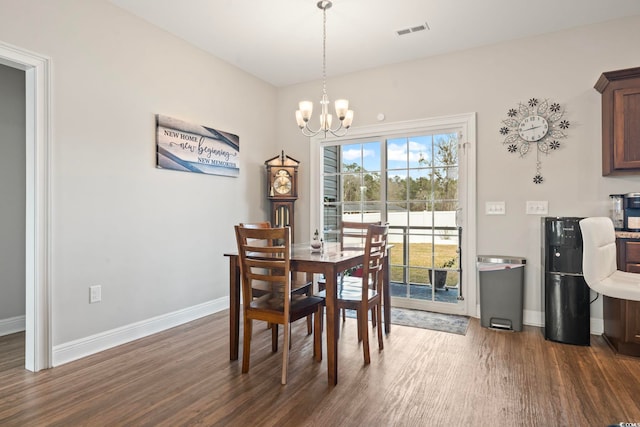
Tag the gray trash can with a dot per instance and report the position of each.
(501, 291)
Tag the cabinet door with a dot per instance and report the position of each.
(626, 128)
(633, 322)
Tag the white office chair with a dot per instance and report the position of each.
(599, 264)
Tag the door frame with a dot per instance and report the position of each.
(466, 154)
(37, 69)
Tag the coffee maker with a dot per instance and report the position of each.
(632, 212)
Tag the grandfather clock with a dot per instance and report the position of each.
(282, 190)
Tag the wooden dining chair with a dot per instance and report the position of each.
(368, 296)
(353, 236)
(265, 259)
(299, 285)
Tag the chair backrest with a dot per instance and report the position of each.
(374, 255)
(598, 249)
(260, 224)
(264, 259)
(353, 235)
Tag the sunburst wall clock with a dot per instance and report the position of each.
(538, 123)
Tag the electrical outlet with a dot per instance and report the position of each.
(95, 294)
(537, 208)
(494, 208)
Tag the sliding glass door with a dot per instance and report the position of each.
(411, 182)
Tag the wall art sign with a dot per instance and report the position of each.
(188, 147)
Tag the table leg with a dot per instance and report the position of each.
(234, 307)
(386, 296)
(332, 327)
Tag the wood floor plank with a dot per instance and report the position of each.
(183, 376)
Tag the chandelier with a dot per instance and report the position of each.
(345, 116)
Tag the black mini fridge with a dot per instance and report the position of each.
(566, 294)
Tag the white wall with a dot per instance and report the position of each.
(12, 199)
(154, 239)
(489, 81)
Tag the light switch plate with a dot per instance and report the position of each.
(95, 294)
(537, 208)
(495, 208)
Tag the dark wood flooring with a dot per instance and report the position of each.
(422, 378)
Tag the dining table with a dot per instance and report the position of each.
(330, 262)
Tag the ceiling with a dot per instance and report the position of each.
(280, 41)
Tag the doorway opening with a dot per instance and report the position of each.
(37, 70)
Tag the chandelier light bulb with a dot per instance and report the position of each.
(348, 119)
(342, 105)
(306, 109)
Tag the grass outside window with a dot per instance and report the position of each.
(421, 262)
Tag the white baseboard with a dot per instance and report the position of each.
(12, 325)
(83, 347)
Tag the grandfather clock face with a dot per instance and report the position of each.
(282, 183)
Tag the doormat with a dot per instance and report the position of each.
(452, 323)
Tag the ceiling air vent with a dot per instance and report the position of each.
(415, 29)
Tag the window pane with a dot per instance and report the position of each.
(420, 184)
(420, 151)
(397, 153)
(397, 214)
(352, 158)
(419, 276)
(445, 183)
(351, 188)
(397, 186)
(371, 157)
(420, 249)
(372, 211)
(371, 183)
(445, 150)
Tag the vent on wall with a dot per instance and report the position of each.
(415, 29)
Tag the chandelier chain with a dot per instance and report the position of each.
(324, 50)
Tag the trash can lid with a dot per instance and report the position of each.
(501, 259)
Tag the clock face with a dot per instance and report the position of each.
(533, 128)
(282, 183)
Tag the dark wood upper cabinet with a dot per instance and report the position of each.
(620, 121)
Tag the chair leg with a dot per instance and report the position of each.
(317, 335)
(379, 314)
(274, 337)
(309, 293)
(285, 352)
(374, 318)
(246, 346)
(359, 317)
(363, 330)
